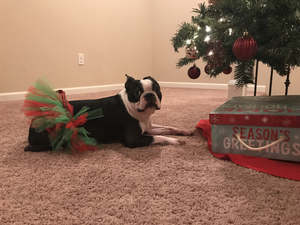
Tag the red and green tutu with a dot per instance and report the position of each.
(49, 110)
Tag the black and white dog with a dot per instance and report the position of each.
(126, 118)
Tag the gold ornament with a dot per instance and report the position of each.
(191, 51)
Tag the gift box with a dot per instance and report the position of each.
(263, 126)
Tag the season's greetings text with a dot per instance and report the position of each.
(260, 137)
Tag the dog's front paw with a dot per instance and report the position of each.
(181, 142)
(175, 141)
(167, 141)
(185, 133)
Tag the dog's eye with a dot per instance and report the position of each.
(137, 93)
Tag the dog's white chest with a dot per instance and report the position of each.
(145, 125)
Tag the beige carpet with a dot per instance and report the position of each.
(151, 185)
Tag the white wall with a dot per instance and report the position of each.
(44, 37)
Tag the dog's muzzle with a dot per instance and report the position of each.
(149, 100)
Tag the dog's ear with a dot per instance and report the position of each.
(149, 77)
(129, 81)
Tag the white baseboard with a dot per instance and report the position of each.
(193, 85)
(92, 89)
(250, 87)
(10, 96)
(259, 88)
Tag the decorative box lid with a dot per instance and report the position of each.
(275, 111)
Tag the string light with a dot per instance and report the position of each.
(210, 53)
(230, 31)
(208, 29)
(207, 38)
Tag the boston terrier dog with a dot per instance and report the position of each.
(126, 118)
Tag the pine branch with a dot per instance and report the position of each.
(201, 10)
(243, 73)
(184, 61)
(185, 32)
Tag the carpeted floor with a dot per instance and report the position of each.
(151, 185)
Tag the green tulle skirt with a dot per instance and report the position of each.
(49, 110)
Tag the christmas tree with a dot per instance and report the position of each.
(271, 30)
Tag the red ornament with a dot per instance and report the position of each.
(228, 70)
(194, 72)
(245, 47)
(208, 68)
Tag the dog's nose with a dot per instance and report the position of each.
(150, 97)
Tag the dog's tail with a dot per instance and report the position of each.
(49, 110)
